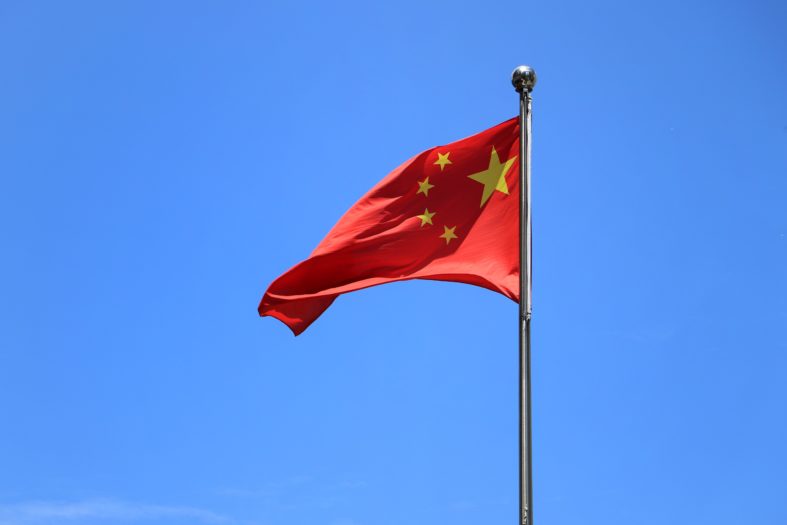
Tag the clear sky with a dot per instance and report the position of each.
(162, 162)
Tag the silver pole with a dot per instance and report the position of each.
(524, 79)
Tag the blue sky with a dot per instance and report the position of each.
(161, 163)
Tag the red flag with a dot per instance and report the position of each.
(449, 214)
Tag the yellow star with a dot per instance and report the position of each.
(426, 218)
(424, 187)
(442, 160)
(494, 177)
(448, 234)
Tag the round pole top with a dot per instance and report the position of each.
(523, 78)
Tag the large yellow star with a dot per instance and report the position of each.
(424, 187)
(448, 234)
(426, 218)
(494, 177)
(442, 160)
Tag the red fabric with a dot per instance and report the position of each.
(381, 239)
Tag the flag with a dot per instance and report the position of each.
(450, 213)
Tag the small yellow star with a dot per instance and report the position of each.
(424, 187)
(494, 177)
(442, 160)
(448, 234)
(426, 218)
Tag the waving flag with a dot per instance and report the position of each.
(450, 213)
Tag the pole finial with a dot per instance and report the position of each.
(524, 79)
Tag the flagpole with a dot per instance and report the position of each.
(524, 79)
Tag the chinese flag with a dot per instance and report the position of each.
(450, 213)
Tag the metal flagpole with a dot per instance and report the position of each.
(524, 78)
